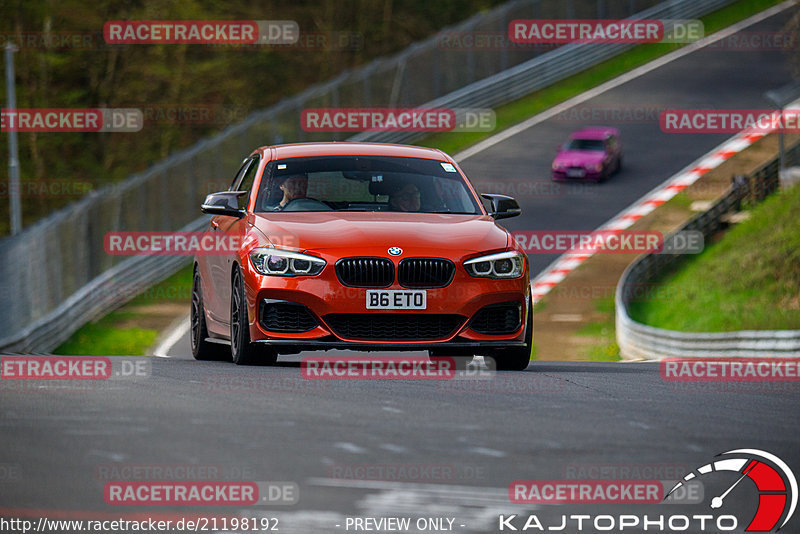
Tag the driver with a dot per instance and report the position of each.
(293, 187)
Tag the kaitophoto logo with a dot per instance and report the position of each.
(774, 480)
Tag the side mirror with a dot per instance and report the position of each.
(223, 203)
(503, 206)
(559, 148)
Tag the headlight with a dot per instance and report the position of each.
(557, 166)
(502, 265)
(596, 167)
(276, 262)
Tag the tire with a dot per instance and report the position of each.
(243, 352)
(201, 349)
(517, 358)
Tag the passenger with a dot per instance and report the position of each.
(406, 198)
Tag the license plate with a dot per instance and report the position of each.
(394, 299)
(575, 173)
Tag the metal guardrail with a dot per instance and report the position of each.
(55, 275)
(640, 341)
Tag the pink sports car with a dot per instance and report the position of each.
(593, 153)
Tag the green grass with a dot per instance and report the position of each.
(108, 336)
(605, 348)
(105, 338)
(748, 280)
(177, 287)
(519, 110)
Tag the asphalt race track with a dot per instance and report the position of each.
(427, 449)
(432, 448)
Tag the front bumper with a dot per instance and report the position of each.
(563, 176)
(286, 346)
(330, 303)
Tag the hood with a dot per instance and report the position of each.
(374, 232)
(579, 158)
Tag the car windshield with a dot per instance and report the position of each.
(360, 183)
(586, 144)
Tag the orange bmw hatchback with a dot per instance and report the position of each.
(360, 246)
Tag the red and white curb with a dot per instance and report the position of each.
(567, 262)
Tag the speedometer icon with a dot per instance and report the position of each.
(775, 482)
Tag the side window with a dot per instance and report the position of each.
(246, 183)
(238, 178)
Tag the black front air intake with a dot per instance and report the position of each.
(282, 316)
(504, 318)
(393, 326)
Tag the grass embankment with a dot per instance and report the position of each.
(748, 280)
(134, 327)
(122, 333)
